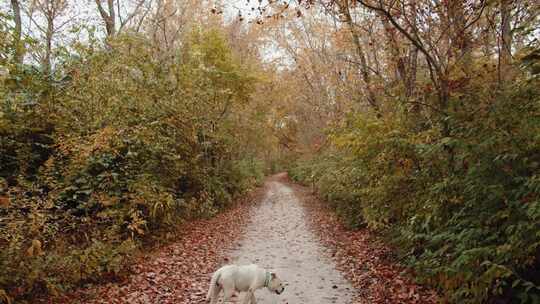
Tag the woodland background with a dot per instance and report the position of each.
(419, 119)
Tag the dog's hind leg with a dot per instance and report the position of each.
(228, 291)
(214, 294)
(215, 288)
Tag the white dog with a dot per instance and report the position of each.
(246, 278)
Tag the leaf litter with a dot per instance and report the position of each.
(364, 259)
(179, 272)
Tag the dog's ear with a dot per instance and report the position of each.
(273, 275)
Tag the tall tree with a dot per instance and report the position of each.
(108, 16)
(345, 10)
(17, 33)
(505, 49)
(112, 14)
(50, 11)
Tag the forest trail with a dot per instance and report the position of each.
(278, 238)
(281, 227)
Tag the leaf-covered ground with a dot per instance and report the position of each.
(279, 239)
(179, 272)
(363, 258)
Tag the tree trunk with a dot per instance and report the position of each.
(410, 80)
(48, 45)
(505, 52)
(111, 24)
(461, 38)
(395, 52)
(405, 64)
(109, 18)
(364, 70)
(412, 64)
(17, 34)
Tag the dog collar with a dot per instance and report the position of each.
(267, 279)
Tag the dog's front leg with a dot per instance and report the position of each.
(249, 298)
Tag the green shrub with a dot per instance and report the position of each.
(88, 167)
(464, 208)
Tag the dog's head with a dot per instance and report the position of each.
(275, 284)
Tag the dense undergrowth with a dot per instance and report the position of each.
(120, 142)
(463, 209)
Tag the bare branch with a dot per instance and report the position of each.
(417, 42)
(130, 16)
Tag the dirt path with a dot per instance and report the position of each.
(278, 239)
(288, 231)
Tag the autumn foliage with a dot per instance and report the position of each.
(416, 120)
(441, 154)
(119, 144)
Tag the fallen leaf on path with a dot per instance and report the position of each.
(363, 258)
(177, 273)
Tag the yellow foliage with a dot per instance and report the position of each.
(4, 297)
(4, 201)
(34, 249)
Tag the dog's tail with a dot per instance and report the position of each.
(213, 285)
